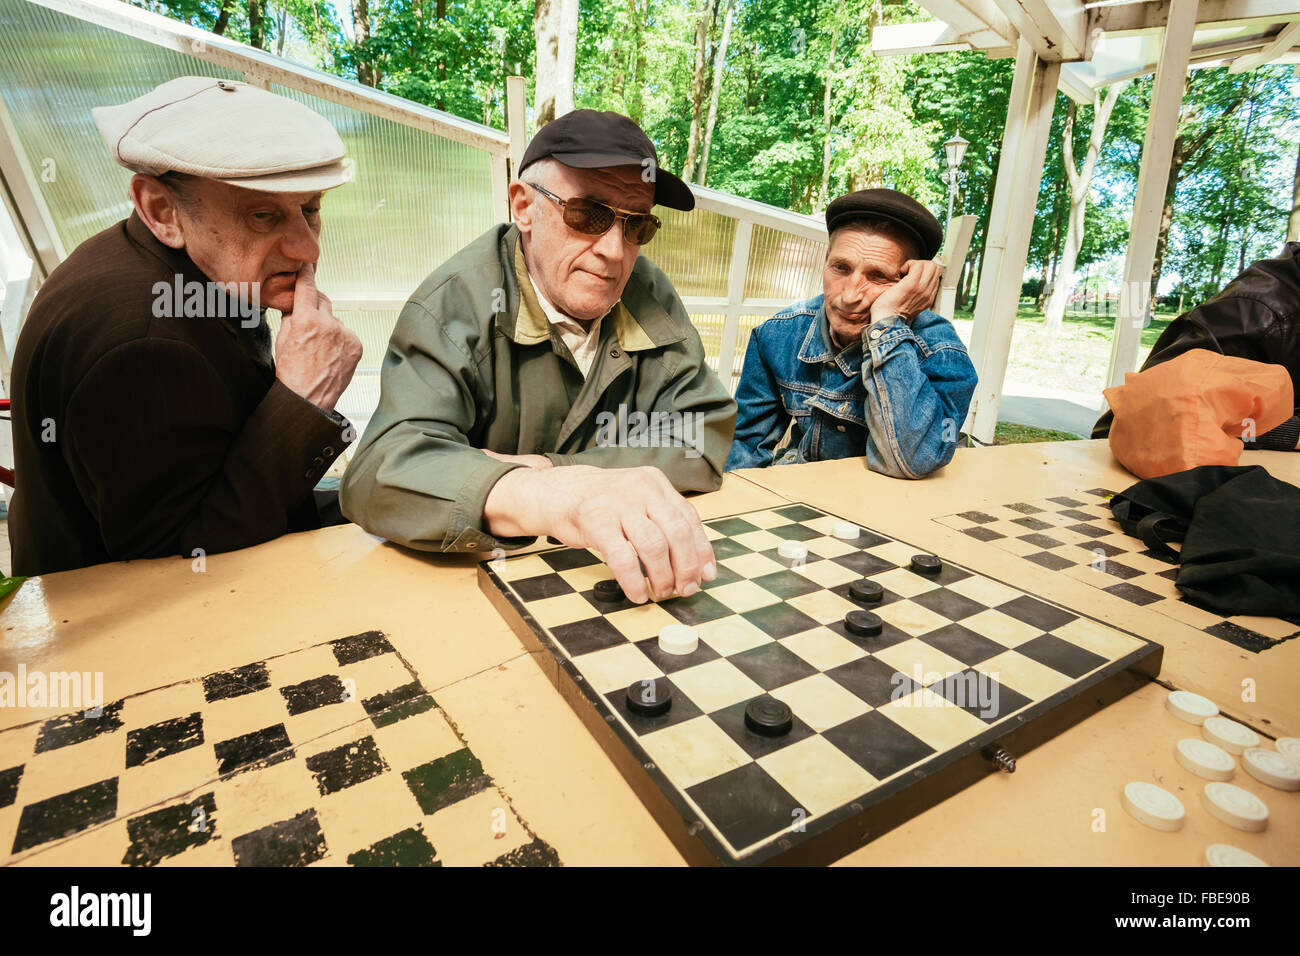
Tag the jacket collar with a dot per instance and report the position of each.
(816, 346)
(639, 321)
(178, 262)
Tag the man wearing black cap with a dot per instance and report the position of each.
(865, 368)
(546, 380)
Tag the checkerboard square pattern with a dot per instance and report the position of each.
(1077, 535)
(333, 754)
(959, 657)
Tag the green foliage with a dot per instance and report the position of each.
(775, 140)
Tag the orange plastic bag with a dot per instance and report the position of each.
(1195, 410)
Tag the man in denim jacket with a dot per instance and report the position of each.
(865, 368)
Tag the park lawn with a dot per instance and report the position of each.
(1075, 360)
(1009, 433)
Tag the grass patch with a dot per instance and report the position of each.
(1009, 433)
(1075, 359)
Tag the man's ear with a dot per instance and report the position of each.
(521, 207)
(158, 209)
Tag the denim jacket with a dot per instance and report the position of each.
(902, 408)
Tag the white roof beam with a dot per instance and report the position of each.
(970, 17)
(1288, 37)
(1056, 29)
(1150, 17)
(932, 36)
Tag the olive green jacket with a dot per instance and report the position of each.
(473, 364)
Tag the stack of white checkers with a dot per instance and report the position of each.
(1211, 758)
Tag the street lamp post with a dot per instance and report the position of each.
(954, 150)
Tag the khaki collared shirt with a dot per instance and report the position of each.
(582, 342)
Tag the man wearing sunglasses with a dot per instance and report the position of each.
(516, 369)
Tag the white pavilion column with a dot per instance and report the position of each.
(1011, 220)
(1153, 178)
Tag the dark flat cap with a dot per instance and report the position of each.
(894, 206)
(594, 139)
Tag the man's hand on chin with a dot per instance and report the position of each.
(912, 294)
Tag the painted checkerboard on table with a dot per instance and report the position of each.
(883, 726)
(333, 754)
(1076, 535)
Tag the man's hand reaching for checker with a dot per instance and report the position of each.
(912, 294)
(632, 517)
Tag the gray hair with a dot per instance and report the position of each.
(542, 172)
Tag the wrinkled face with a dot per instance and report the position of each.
(583, 276)
(860, 265)
(241, 235)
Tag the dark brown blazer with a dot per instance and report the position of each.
(138, 435)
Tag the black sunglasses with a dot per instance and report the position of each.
(592, 218)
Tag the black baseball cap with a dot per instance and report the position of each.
(893, 206)
(594, 139)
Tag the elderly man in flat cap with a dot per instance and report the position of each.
(149, 417)
(865, 368)
(546, 380)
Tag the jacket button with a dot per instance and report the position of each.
(614, 353)
(328, 452)
(839, 428)
(309, 474)
(317, 461)
(875, 333)
(471, 545)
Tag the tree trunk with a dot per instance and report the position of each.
(439, 14)
(1054, 315)
(635, 99)
(546, 30)
(223, 17)
(361, 30)
(702, 23)
(256, 24)
(1186, 151)
(1293, 223)
(826, 120)
(718, 62)
(566, 56)
(281, 28)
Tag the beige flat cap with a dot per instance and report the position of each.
(225, 130)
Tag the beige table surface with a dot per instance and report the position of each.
(147, 623)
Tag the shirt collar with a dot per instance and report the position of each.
(531, 324)
(817, 345)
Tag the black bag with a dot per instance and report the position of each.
(1240, 529)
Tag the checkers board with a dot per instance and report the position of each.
(1076, 535)
(883, 727)
(333, 754)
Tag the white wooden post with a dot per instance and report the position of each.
(1020, 171)
(515, 103)
(735, 296)
(1153, 177)
(956, 243)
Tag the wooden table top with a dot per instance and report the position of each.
(145, 624)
